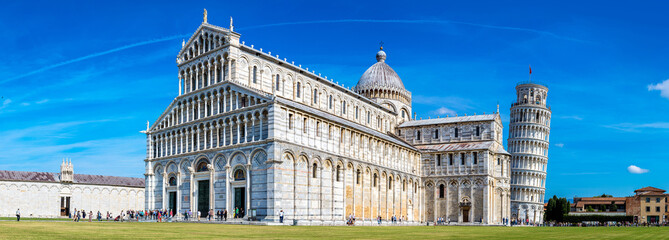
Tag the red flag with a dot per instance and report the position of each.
(530, 69)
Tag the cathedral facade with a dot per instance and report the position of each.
(254, 132)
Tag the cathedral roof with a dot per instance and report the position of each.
(78, 178)
(433, 121)
(380, 76)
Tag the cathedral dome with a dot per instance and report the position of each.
(381, 81)
(380, 76)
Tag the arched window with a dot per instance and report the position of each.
(390, 183)
(418, 135)
(456, 132)
(338, 173)
(478, 131)
(343, 107)
(436, 133)
(441, 191)
(172, 181)
(357, 177)
(255, 74)
(376, 179)
(298, 90)
(315, 96)
(202, 167)
(239, 175)
(330, 102)
(314, 170)
(278, 82)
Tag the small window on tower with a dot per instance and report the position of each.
(462, 159)
(456, 132)
(436, 133)
(438, 159)
(418, 135)
(478, 129)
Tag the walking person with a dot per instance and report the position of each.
(281, 216)
(90, 216)
(18, 215)
(198, 215)
(225, 215)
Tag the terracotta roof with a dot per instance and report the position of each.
(29, 176)
(600, 200)
(447, 147)
(109, 180)
(78, 178)
(649, 189)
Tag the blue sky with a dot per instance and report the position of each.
(80, 79)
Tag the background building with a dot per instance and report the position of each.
(44, 194)
(529, 129)
(647, 205)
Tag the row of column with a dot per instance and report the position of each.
(207, 137)
(211, 104)
(202, 75)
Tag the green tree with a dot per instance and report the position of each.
(602, 208)
(590, 209)
(613, 207)
(604, 195)
(550, 209)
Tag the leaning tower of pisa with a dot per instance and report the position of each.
(529, 129)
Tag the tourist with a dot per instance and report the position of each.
(83, 214)
(90, 216)
(18, 215)
(198, 215)
(379, 219)
(281, 216)
(236, 213)
(78, 215)
(225, 215)
(160, 217)
(211, 213)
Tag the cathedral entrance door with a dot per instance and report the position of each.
(173, 202)
(203, 198)
(240, 200)
(65, 206)
(465, 214)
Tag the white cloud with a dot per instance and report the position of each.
(663, 87)
(574, 117)
(560, 145)
(636, 170)
(634, 127)
(443, 111)
(5, 103)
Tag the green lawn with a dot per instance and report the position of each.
(116, 230)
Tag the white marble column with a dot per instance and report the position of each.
(248, 190)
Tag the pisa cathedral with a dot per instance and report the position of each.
(252, 131)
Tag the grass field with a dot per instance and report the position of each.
(115, 230)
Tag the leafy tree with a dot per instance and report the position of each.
(602, 208)
(604, 195)
(613, 207)
(556, 209)
(590, 209)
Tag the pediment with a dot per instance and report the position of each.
(206, 38)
